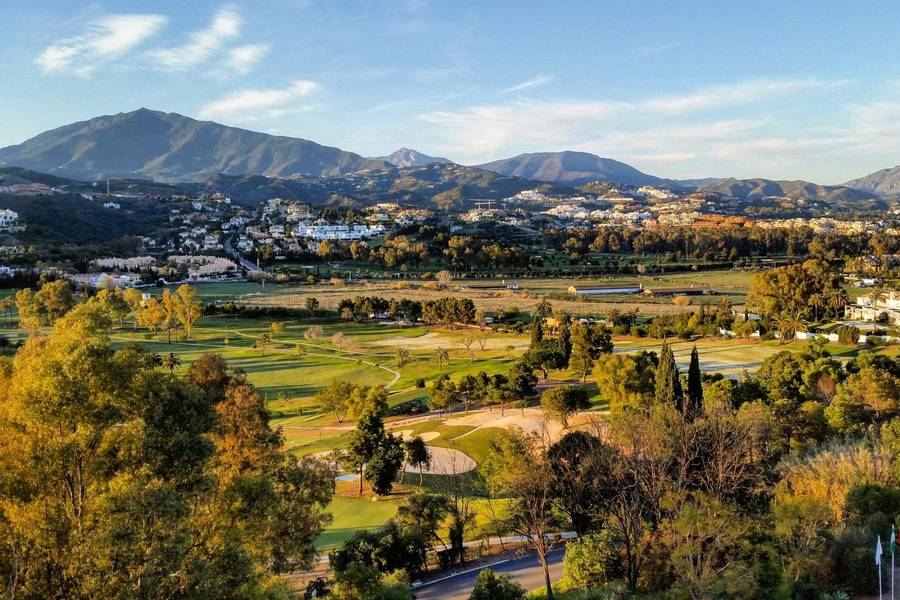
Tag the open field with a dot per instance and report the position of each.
(734, 284)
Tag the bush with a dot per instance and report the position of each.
(592, 561)
(490, 586)
(848, 334)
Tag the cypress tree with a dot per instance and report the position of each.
(694, 405)
(565, 339)
(537, 329)
(668, 384)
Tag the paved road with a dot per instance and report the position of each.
(527, 571)
(249, 266)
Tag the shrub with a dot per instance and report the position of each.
(592, 561)
(490, 586)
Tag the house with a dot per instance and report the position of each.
(605, 290)
(885, 309)
(8, 218)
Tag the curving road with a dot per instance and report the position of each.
(526, 571)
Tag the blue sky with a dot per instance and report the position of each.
(799, 90)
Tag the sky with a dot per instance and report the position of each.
(751, 88)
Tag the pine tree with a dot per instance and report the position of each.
(668, 384)
(694, 404)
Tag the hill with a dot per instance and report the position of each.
(169, 147)
(438, 185)
(405, 157)
(885, 182)
(758, 189)
(571, 168)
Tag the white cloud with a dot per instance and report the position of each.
(637, 127)
(105, 39)
(251, 103)
(536, 81)
(241, 59)
(203, 44)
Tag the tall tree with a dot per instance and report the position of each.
(364, 443)
(667, 380)
(693, 406)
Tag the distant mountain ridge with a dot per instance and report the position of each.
(571, 168)
(171, 147)
(757, 189)
(885, 182)
(406, 157)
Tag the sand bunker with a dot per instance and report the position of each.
(407, 434)
(446, 461)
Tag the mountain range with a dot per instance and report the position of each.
(168, 147)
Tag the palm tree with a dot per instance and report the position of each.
(442, 355)
(402, 356)
(817, 302)
(544, 308)
(156, 360)
(837, 300)
(788, 326)
(171, 361)
(878, 296)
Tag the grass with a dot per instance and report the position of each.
(352, 513)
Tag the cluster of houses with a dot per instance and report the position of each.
(877, 307)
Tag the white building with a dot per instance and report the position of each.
(339, 232)
(869, 309)
(8, 218)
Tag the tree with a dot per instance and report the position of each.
(56, 298)
(31, 312)
(418, 456)
(543, 356)
(262, 342)
(339, 339)
(531, 513)
(115, 305)
(592, 561)
(627, 380)
(364, 443)
(490, 586)
(313, 333)
(702, 537)
(441, 356)
(384, 464)
(537, 329)
(579, 480)
(139, 475)
(311, 303)
(187, 309)
(424, 513)
(171, 361)
(335, 398)
(276, 329)
(402, 356)
(667, 381)
(444, 278)
(559, 403)
(693, 406)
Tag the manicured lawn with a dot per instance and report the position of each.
(353, 513)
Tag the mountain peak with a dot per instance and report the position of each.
(157, 145)
(407, 157)
(570, 167)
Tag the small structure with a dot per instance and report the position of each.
(605, 290)
(691, 291)
(874, 308)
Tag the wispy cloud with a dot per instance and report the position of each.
(633, 127)
(657, 49)
(241, 59)
(536, 81)
(252, 103)
(103, 40)
(202, 44)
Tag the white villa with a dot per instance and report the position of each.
(868, 309)
(339, 232)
